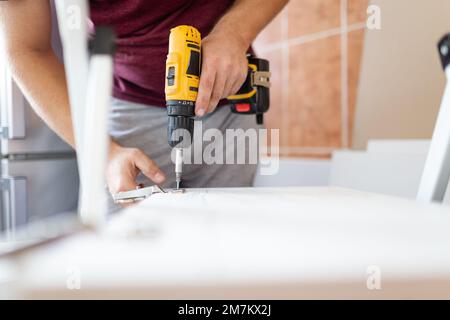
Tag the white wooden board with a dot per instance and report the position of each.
(253, 243)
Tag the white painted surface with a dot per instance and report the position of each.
(7, 276)
(401, 80)
(74, 39)
(436, 174)
(297, 172)
(408, 146)
(252, 243)
(447, 195)
(93, 208)
(380, 172)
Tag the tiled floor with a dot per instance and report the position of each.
(315, 49)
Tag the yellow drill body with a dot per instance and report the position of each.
(183, 64)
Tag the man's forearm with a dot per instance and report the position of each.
(41, 77)
(26, 28)
(248, 18)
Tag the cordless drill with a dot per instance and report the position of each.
(182, 82)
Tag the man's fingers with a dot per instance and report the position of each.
(240, 79)
(120, 178)
(206, 86)
(217, 92)
(228, 91)
(219, 79)
(124, 182)
(148, 167)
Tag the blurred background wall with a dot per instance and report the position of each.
(315, 49)
(402, 81)
(337, 84)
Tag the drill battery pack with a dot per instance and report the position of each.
(254, 95)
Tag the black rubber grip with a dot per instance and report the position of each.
(104, 41)
(185, 110)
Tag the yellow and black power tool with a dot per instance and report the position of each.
(183, 69)
(182, 80)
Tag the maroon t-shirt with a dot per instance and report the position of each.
(142, 28)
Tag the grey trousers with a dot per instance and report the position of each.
(144, 127)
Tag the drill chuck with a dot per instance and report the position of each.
(180, 128)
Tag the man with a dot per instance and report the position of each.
(138, 120)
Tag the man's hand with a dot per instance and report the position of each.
(125, 164)
(224, 68)
(225, 64)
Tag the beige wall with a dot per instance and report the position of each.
(402, 81)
